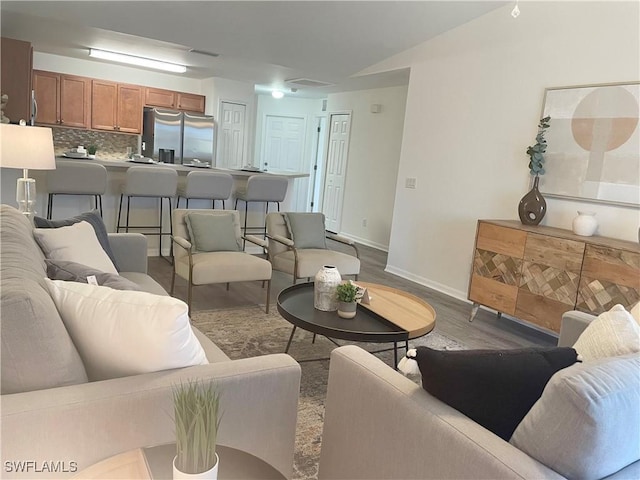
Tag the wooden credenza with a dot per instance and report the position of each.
(537, 273)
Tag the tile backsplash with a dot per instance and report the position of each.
(111, 146)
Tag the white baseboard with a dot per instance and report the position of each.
(364, 241)
(452, 292)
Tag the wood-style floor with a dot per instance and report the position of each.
(486, 331)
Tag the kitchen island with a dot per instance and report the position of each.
(144, 211)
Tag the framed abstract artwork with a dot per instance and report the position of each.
(593, 143)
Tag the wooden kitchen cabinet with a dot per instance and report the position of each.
(537, 273)
(15, 78)
(157, 97)
(116, 107)
(191, 102)
(63, 100)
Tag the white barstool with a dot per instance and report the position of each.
(151, 182)
(206, 186)
(76, 178)
(262, 188)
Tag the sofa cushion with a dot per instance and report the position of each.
(612, 333)
(120, 333)
(37, 352)
(586, 423)
(76, 272)
(76, 243)
(495, 388)
(212, 233)
(307, 230)
(93, 218)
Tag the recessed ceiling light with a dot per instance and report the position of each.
(277, 94)
(138, 61)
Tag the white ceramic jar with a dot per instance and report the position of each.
(585, 224)
(324, 288)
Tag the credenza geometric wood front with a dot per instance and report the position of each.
(537, 273)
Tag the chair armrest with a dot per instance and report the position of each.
(344, 240)
(380, 424)
(257, 240)
(92, 421)
(183, 242)
(280, 239)
(573, 324)
(130, 251)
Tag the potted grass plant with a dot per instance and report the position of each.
(197, 418)
(346, 293)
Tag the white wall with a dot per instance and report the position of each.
(474, 100)
(374, 155)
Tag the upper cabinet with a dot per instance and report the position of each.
(157, 97)
(63, 100)
(116, 107)
(191, 102)
(15, 78)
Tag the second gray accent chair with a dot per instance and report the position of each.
(303, 260)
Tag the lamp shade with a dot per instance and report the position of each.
(26, 147)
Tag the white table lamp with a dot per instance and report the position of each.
(27, 148)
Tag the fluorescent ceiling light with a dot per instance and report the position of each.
(138, 61)
(277, 94)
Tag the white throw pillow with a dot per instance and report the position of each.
(120, 333)
(75, 243)
(613, 333)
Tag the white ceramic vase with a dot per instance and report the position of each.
(324, 288)
(585, 224)
(211, 474)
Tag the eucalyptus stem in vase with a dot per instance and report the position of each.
(532, 206)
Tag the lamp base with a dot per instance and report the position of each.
(26, 196)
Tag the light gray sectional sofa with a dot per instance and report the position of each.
(381, 425)
(51, 413)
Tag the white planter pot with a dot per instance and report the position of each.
(324, 288)
(585, 224)
(347, 309)
(211, 474)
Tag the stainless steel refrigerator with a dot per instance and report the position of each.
(177, 137)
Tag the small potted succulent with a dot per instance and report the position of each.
(91, 151)
(197, 418)
(346, 293)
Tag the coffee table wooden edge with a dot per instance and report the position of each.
(403, 309)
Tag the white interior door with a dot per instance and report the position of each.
(231, 149)
(283, 151)
(338, 153)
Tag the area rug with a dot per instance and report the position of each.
(250, 332)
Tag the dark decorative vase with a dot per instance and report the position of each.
(532, 207)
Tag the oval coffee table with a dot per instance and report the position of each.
(392, 316)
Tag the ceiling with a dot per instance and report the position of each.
(261, 42)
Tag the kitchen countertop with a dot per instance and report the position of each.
(183, 169)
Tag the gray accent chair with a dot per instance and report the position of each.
(76, 178)
(305, 262)
(206, 186)
(204, 268)
(379, 424)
